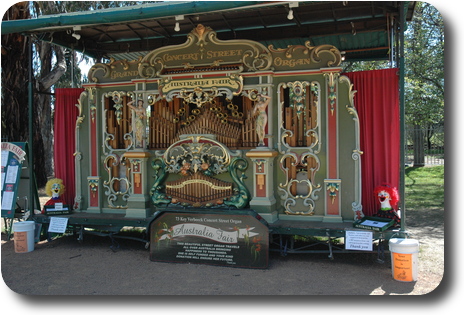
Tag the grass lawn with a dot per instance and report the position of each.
(425, 188)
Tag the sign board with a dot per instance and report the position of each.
(213, 239)
(58, 225)
(358, 240)
(203, 50)
(13, 156)
(57, 208)
(234, 83)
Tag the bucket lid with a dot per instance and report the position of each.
(24, 226)
(24, 222)
(404, 242)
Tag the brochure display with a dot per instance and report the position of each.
(13, 156)
(15, 184)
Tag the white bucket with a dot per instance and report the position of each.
(24, 236)
(404, 257)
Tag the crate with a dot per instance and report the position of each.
(374, 223)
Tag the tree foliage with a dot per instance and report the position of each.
(424, 67)
(424, 78)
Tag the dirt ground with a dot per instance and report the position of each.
(66, 267)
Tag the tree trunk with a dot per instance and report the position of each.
(418, 145)
(15, 65)
(42, 100)
(15, 79)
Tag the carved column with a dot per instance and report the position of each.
(263, 200)
(138, 203)
(88, 102)
(333, 182)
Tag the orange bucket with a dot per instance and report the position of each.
(24, 236)
(404, 257)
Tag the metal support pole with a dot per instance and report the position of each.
(31, 131)
(329, 242)
(73, 84)
(402, 113)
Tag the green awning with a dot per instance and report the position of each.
(362, 29)
(120, 15)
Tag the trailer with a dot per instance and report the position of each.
(228, 138)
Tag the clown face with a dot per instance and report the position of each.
(384, 199)
(56, 188)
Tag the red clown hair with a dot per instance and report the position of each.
(392, 191)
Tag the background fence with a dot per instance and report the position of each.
(425, 146)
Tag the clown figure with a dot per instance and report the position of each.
(388, 197)
(55, 189)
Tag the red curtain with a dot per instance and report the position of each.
(377, 103)
(66, 113)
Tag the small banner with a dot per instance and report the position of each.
(213, 239)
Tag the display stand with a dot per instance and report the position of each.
(15, 183)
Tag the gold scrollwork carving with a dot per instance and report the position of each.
(79, 105)
(116, 188)
(332, 93)
(356, 155)
(203, 48)
(304, 56)
(289, 195)
(198, 96)
(188, 156)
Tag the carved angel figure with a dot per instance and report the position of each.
(261, 120)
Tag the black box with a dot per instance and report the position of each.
(51, 210)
